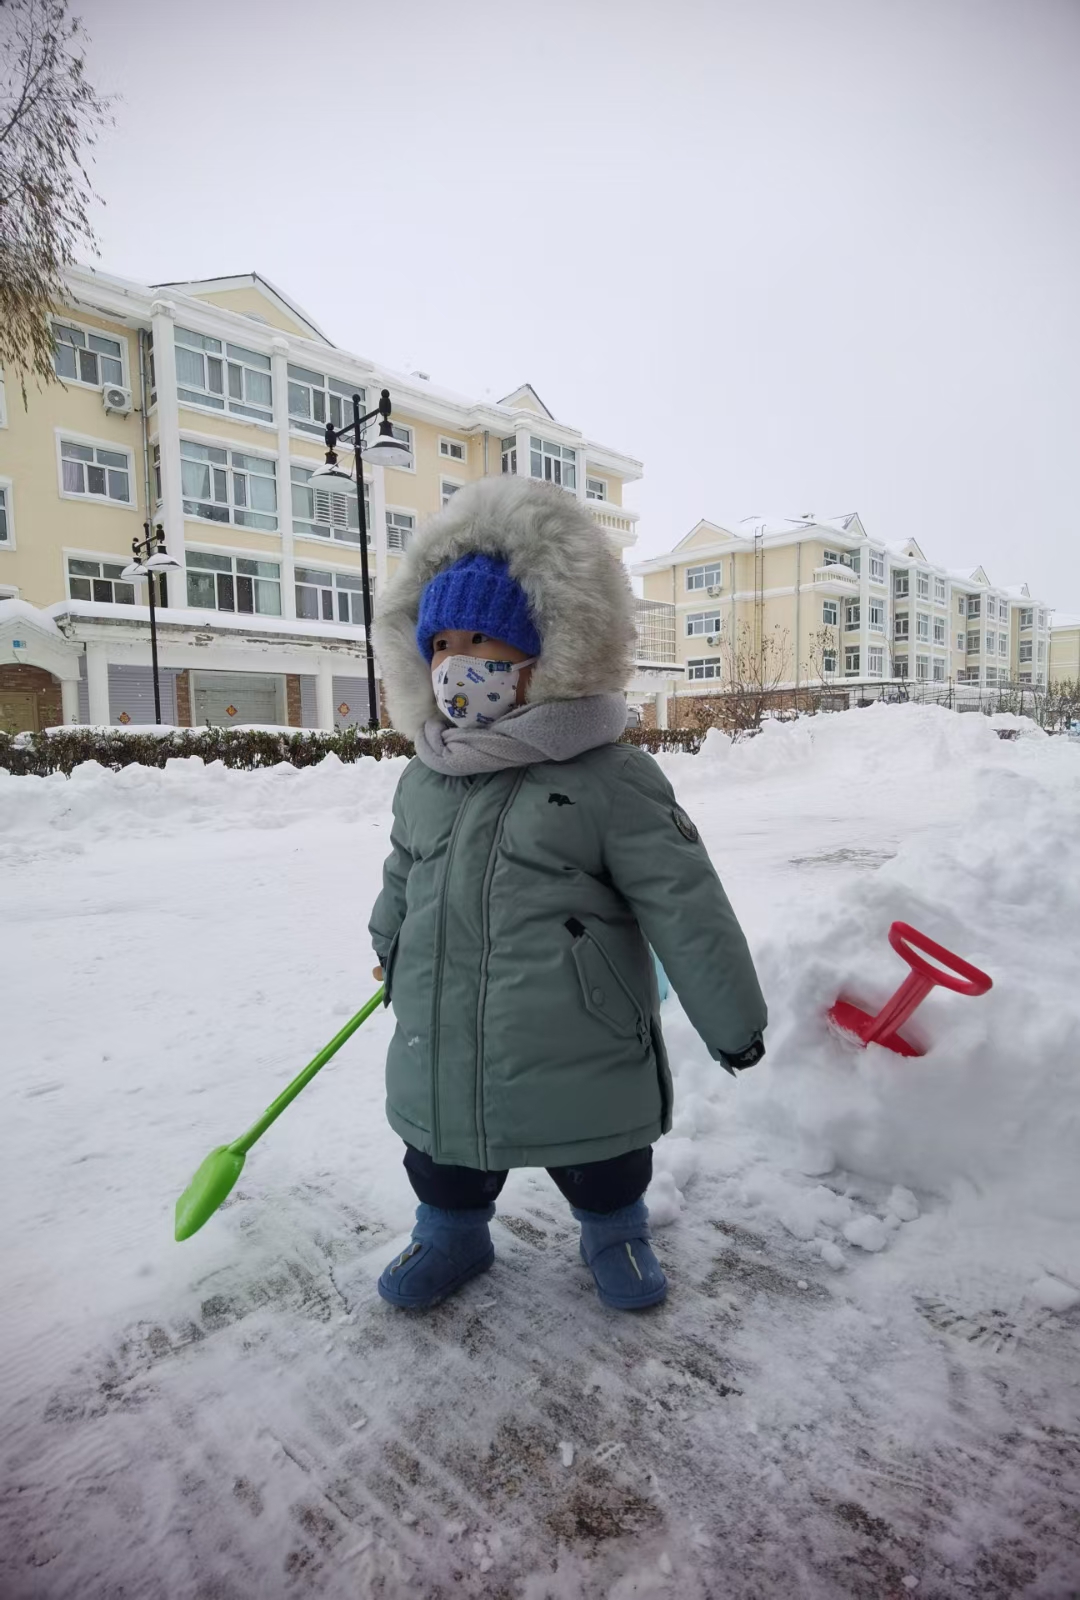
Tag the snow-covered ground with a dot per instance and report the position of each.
(865, 1381)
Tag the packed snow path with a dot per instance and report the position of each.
(865, 1381)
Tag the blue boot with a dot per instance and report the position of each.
(447, 1249)
(615, 1245)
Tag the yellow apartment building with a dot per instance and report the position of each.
(1065, 650)
(835, 608)
(201, 407)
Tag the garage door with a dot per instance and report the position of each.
(232, 699)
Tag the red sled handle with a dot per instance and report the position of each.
(958, 974)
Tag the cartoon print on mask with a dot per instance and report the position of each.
(457, 673)
(459, 705)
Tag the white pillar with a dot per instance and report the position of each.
(69, 699)
(376, 476)
(523, 435)
(97, 685)
(661, 701)
(163, 313)
(279, 362)
(324, 695)
(579, 474)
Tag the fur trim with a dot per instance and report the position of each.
(578, 592)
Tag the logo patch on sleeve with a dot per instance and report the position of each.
(684, 825)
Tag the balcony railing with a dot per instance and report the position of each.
(835, 575)
(616, 520)
(655, 633)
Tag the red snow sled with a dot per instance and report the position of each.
(943, 968)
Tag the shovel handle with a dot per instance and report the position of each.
(242, 1145)
(945, 968)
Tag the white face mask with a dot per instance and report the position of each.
(473, 692)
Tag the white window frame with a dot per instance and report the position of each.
(232, 448)
(711, 622)
(7, 489)
(99, 333)
(940, 635)
(922, 584)
(445, 445)
(1028, 646)
(399, 548)
(922, 669)
(66, 436)
(902, 626)
(704, 669)
(900, 666)
(961, 642)
(105, 558)
(310, 427)
(716, 582)
(234, 555)
(877, 616)
(567, 457)
(255, 414)
(1027, 616)
(990, 646)
(877, 566)
(828, 663)
(852, 659)
(974, 605)
(937, 669)
(508, 451)
(336, 506)
(830, 613)
(353, 587)
(941, 593)
(875, 661)
(591, 485)
(453, 484)
(922, 626)
(961, 605)
(901, 576)
(1003, 644)
(852, 616)
(974, 643)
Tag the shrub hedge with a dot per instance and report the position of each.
(40, 754)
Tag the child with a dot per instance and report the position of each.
(533, 862)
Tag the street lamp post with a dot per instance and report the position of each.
(386, 451)
(150, 558)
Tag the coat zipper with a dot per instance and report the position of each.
(485, 908)
(436, 998)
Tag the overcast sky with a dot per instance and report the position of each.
(795, 255)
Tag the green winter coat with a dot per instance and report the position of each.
(514, 928)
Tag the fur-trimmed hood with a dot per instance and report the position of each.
(578, 592)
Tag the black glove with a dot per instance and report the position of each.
(745, 1058)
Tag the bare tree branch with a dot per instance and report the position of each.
(49, 120)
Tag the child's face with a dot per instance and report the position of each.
(460, 642)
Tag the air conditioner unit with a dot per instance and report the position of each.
(715, 590)
(116, 399)
(713, 639)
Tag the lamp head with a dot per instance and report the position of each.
(386, 451)
(162, 561)
(134, 570)
(332, 477)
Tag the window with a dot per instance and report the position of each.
(1026, 615)
(961, 606)
(710, 577)
(1025, 677)
(972, 644)
(707, 668)
(901, 627)
(959, 641)
(399, 529)
(1003, 610)
(851, 660)
(877, 566)
(900, 584)
(939, 630)
(325, 514)
(453, 450)
(1042, 619)
(852, 614)
(830, 613)
(875, 661)
(1042, 650)
(828, 661)
(330, 596)
(922, 666)
(157, 474)
(555, 463)
(224, 377)
(509, 454)
(974, 603)
(967, 675)
(922, 625)
(99, 580)
(315, 400)
(233, 583)
(703, 622)
(6, 531)
(447, 489)
(900, 666)
(991, 644)
(1003, 644)
(84, 357)
(922, 584)
(991, 674)
(939, 592)
(877, 616)
(595, 489)
(939, 670)
(100, 474)
(228, 486)
(1025, 650)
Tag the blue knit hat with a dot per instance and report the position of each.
(476, 595)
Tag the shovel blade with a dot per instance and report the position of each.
(208, 1188)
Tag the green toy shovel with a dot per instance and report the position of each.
(215, 1178)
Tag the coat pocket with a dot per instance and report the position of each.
(388, 967)
(606, 994)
